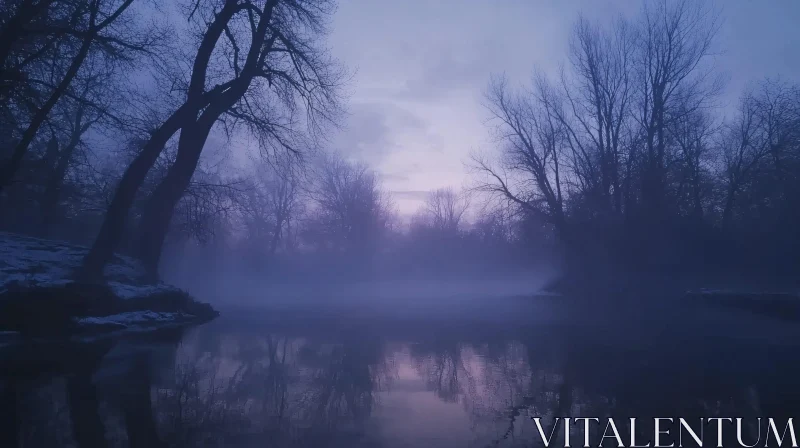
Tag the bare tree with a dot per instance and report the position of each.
(675, 42)
(597, 92)
(624, 135)
(281, 68)
(28, 30)
(207, 208)
(351, 211)
(91, 93)
(97, 30)
(778, 106)
(496, 223)
(272, 204)
(532, 140)
(693, 134)
(758, 146)
(444, 209)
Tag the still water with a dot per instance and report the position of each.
(460, 375)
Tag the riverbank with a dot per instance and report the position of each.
(776, 296)
(38, 298)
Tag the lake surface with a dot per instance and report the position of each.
(414, 374)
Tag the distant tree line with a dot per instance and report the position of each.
(331, 218)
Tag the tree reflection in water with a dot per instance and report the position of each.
(441, 364)
(255, 386)
(251, 390)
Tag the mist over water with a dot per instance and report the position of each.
(380, 295)
(435, 280)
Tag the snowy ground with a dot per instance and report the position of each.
(34, 262)
(27, 262)
(131, 321)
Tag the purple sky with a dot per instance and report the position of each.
(421, 67)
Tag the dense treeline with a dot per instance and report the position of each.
(123, 125)
(630, 155)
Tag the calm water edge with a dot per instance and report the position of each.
(450, 375)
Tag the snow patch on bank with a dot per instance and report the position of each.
(33, 262)
(132, 318)
(745, 293)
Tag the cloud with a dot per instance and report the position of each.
(378, 128)
(442, 71)
(396, 176)
(373, 129)
(416, 195)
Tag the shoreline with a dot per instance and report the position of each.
(38, 298)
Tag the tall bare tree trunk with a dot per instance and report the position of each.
(113, 226)
(161, 204)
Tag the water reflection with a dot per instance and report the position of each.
(238, 383)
